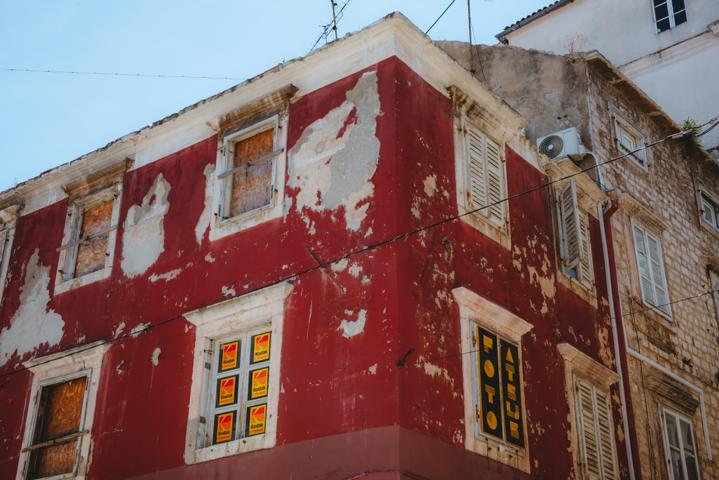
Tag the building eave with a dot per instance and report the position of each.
(531, 18)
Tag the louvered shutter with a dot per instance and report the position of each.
(585, 253)
(596, 439)
(485, 176)
(570, 226)
(606, 439)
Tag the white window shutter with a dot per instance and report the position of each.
(585, 251)
(485, 176)
(570, 225)
(477, 170)
(589, 447)
(606, 440)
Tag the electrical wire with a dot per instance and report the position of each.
(116, 74)
(320, 265)
(426, 32)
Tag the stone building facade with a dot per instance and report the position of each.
(665, 247)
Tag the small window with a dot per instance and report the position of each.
(575, 249)
(680, 448)
(594, 428)
(709, 210)
(650, 265)
(628, 140)
(668, 14)
(485, 188)
(90, 235)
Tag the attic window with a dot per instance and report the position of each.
(668, 14)
(709, 209)
(628, 141)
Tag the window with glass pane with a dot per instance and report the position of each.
(57, 433)
(651, 270)
(669, 13)
(681, 452)
(239, 386)
(709, 210)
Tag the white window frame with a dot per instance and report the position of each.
(475, 310)
(65, 278)
(672, 14)
(58, 368)
(221, 226)
(707, 199)
(8, 219)
(497, 230)
(640, 158)
(647, 233)
(578, 364)
(261, 309)
(665, 436)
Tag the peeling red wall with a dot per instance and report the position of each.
(376, 416)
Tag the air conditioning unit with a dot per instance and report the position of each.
(566, 143)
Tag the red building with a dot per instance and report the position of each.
(350, 266)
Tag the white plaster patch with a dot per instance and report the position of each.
(33, 324)
(430, 185)
(167, 276)
(228, 292)
(156, 356)
(334, 160)
(203, 223)
(355, 270)
(340, 265)
(139, 329)
(118, 330)
(352, 328)
(372, 369)
(209, 258)
(144, 237)
(435, 371)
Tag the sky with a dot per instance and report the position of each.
(50, 119)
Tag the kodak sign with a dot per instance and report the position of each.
(229, 356)
(225, 425)
(500, 401)
(226, 391)
(256, 420)
(259, 383)
(261, 347)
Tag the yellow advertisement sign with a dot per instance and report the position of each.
(261, 347)
(225, 427)
(259, 383)
(229, 356)
(256, 420)
(226, 391)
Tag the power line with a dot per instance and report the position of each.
(328, 27)
(319, 265)
(117, 74)
(440, 17)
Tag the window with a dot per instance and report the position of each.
(650, 266)
(8, 217)
(87, 252)
(485, 188)
(679, 447)
(709, 209)
(495, 423)
(714, 287)
(628, 140)
(235, 382)
(668, 14)
(575, 249)
(594, 428)
(56, 442)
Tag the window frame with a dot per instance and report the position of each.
(8, 220)
(665, 440)
(476, 311)
(704, 197)
(83, 361)
(648, 233)
(65, 281)
(620, 124)
(242, 315)
(671, 16)
(221, 226)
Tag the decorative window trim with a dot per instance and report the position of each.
(241, 314)
(469, 113)
(652, 233)
(271, 112)
(704, 196)
(102, 186)
(8, 219)
(641, 158)
(59, 367)
(665, 441)
(474, 309)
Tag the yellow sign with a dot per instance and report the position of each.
(225, 426)
(261, 347)
(256, 420)
(229, 356)
(259, 383)
(226, 391)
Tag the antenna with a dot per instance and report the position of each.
(334, 18)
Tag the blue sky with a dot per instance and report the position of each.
(49, 119)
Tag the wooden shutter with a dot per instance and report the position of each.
(594, 427)
(485, 176)
(570, 226)
(477, 169)
(585, 252)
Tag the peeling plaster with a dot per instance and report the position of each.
(372, 369)
(33, 324)
(156, 356)
(203, 223)
(118, 330)
(144, 237)
(333, 162)
(228, 292)
(139, 329)
(340, 265)
(351, 328)
(167, 276)
(430, 185)
(209, 258)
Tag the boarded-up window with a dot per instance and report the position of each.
(485, 176)
(95, 226)
(250, 164)
(57, 429)
(594, 428)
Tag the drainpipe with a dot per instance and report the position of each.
(615, 339)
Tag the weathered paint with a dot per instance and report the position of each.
(364, 153)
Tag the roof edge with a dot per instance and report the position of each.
(501, 36)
